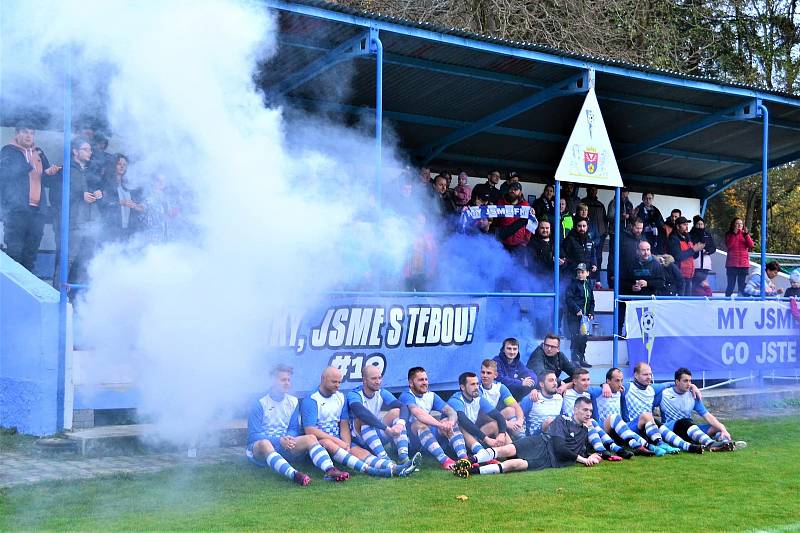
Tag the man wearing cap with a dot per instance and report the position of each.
(513, 177)
(22, 165)
(489, 187)
(579, 306)
(513, 232)
(684, 251)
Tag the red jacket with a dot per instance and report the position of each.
(739, 245)
(519, 237)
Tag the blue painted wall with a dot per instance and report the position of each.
(28, 351)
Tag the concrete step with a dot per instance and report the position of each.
(138, 438)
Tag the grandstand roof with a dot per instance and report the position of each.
(461, 100)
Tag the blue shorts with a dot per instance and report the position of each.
(276, 444)
(633, 425)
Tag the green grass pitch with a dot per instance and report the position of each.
(754, 489)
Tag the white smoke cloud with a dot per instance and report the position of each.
(271, 223)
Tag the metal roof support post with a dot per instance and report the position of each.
(556, 256)
(764, 190)
(64, 244)
(358, 46)
(617, 239)
(376, 47)
(573, 85)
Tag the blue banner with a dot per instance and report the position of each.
(446, 336)
(712, 335)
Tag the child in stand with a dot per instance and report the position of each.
(700, 284)
(579, 300)
(794, 279)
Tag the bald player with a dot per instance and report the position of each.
(326, 417)
(377, 416)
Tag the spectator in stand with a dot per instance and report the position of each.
(570, 193)
(673, 278)
(513, 232)
(463, 192)
(651, 216)
(582, 211)
(626, 212)
(794, 280)
(579, 304)
(567, 220)
(645, 276)
(84, 214)
(753, 286)
(482, 225)
(22, 165)
(625, 223)
(739, 244)
(513, 177)
(121, 207)
(548, 357)
(669, 227)
(444, 201)
(699, 234)
(684, 251)
(489, 187)
(578, 248)
(545, 205)
(519, 379)
(628, 247)
(541, 266)
(598, 224)
(425, 176)
(421, 264)
(541, 250)
(164, 214)
(102, 162)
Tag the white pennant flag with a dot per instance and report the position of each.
(588, 157)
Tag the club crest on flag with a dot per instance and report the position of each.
(590, 160)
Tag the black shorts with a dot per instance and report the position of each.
(681, 428)
(534, 451)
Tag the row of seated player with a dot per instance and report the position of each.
(482, 425)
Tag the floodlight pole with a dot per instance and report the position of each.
(764, 189)
(64, 244)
